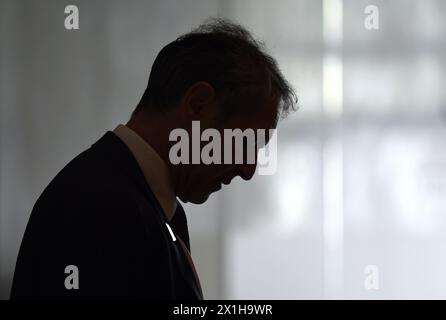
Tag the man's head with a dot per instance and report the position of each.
(220, 75)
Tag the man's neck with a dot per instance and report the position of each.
(154, 132)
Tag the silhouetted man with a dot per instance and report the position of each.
(109, 225)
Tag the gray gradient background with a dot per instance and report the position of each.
(381, 161)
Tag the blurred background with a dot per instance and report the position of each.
(360, 189)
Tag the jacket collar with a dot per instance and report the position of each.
(114, 148)
(153, 167)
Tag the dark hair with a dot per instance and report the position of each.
(225, 55)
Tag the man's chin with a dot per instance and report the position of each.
(195, 199)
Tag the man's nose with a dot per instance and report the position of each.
(247, 171)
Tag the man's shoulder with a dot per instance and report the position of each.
(99, 178)
(95, 170)
(98, 188)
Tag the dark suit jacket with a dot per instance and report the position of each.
(100, 215)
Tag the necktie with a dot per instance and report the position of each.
(179, 224)
(191, 263)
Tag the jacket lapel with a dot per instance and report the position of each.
(131, 166)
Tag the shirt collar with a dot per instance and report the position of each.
(153, 167)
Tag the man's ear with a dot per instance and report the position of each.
(198, 100)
